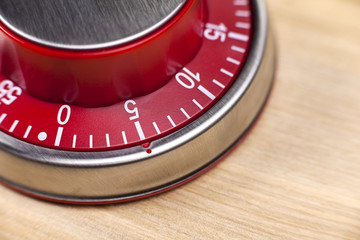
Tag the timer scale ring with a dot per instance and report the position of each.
(107, 172)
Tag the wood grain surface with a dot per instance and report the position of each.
(296, 176)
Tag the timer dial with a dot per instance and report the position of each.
(208, 78)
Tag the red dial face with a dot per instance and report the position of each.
(188, 94)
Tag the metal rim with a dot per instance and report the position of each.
(179, 150)
(109, 44)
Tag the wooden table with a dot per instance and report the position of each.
(297, 175)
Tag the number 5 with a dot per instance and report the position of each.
(131, 110)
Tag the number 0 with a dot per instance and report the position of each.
(67, 114)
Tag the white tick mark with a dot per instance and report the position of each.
(197, 104)
(171, 121)
(238, 36)
(206, 92)
(242, 25)
(13, 126)
(107, 136)
(242, 13)
(139, 130)
(156, 127)
(240, 2)
(233, 61)
(2, 117)
(226, 72)
(238, 49)
(91, 141)
(74, 141)
(124, 137)
(185, 113)
(58, 136)
(218, 83)
(27, 132)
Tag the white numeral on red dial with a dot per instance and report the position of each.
(215, 32)
(9, 92)
(131, 110)
(186, 78)
(67, 110)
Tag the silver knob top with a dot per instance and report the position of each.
(85, 24)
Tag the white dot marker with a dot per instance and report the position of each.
(42, 136)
